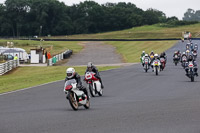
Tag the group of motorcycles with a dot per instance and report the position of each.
(188, 65)
(153, 61)
(77, 97)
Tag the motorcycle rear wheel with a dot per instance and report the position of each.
(87, 105)
(192, 78)
(100, 93)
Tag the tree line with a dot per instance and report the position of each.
(192, 15)
(51, 17)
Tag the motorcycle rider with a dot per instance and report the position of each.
(183, 56)
(92, 68)
(147, 57)
(156, 57)
(176, 54)
(191, 59)
(72, 74)
(191, 46)
(187, 53)
(142, 56)
(162, 55)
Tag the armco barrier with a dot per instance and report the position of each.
(8, 66)
(59, 57)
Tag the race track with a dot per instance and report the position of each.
(133, 102)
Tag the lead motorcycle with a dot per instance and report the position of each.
(93, 84)
(75, 96)
(156, 66)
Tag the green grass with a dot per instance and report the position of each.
(131, 51)
(58, 46)
(24, 77)
(144, 32)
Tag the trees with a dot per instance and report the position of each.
(192, 15)
(44, 17)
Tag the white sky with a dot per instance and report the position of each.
(169, 7)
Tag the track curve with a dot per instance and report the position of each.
(133, 101)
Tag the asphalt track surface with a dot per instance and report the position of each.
(133, 102)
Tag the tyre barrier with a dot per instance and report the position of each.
(59, 57)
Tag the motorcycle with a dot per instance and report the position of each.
(146, 64)
(162, 61)
(156, 66)
(184, 60)
(93, 84)
(75, 96)
(191, 73)
(194, 55)
(176, 60)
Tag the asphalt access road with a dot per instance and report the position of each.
(96, 52)
(133, 102)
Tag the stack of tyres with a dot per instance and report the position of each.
(67, 54)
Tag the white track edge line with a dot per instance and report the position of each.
(10, 92)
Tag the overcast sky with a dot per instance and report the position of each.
(169, 7)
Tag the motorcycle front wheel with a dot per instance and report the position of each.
(73, 102)
(156, 70)
(92, 91)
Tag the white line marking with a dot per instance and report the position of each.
(47, 83)
(29, 88)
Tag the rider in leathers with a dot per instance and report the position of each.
(147, 57)
(92, 68)
(183, 56)
(72, 74)
(194, 63)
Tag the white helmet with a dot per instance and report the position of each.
(143, 51)
(156, 55)
(70, 72)
(146, 55)
(183, 52)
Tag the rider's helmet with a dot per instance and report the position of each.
(89, 66)
(178, 51)
(164, 53)
(190, 57)
(70, 72)
(183, 53)
(146, 55)
(143, 52)
(187, 51)
(156, 56)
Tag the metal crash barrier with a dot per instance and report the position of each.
(8, 66)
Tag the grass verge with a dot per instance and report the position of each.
(24, 77)
(156, 31)
(131, 51)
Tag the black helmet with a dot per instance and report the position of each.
(190, 57)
